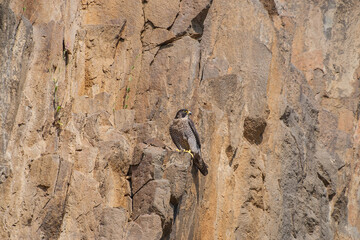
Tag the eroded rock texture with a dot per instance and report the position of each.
(88, 90)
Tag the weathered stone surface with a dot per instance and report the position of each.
(155, 37)
(176, 172)
(151, 226)
(53, 211)
(88, 90)
(4, 173)
(124, 119)
(155, 142)
(133, 231)
(154, 197)
(254, 129)
(191, 17)
(112, 223)
(149, 167)
(111, 169)
(43, 172)
(161, 13)
(83, 199)
(16, 46)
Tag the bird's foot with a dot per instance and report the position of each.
(189, 151)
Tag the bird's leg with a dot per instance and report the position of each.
(182, 150)
(189, 151)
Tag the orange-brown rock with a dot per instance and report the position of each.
(88, 90)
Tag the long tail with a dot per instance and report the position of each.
(200, 164)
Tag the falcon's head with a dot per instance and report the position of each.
(182, 113)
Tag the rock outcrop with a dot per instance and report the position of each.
(89, 88)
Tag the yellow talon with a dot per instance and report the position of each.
(189, 151)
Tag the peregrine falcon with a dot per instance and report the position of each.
(186, 138)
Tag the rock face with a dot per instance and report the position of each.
(89, 88)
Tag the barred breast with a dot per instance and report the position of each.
(178, 133)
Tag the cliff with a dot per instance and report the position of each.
(89, 88)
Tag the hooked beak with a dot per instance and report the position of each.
(189, 113)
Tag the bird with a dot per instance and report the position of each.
(186, 138)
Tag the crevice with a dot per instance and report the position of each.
(302, 159)
(341, 167)
(118, 37)
(57, 176)
(176, 207)
(235, 167)
(47, 202)
(144, 25)
(174, 20)
(43, 187)
(66, 53)
(148, 24)
(358, 111)
(133, 194)
(270, 7)
(197, 23)
(331, 196)
(66, 196)
(202, 72)
(17, 27)
(255, 203)
(231, 153)
(340, 211)
(157, 52)
(325, 182)
(201, 68)
(54, 217)
(169, 41)
(129, 179)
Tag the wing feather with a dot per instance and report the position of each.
(192, 126)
